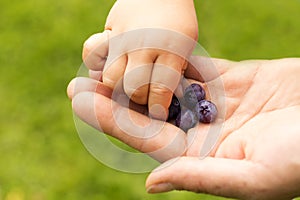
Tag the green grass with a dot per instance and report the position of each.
(40, 51)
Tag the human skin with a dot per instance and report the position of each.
(119, 56)
(257, 153)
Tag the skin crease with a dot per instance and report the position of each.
(257, 154)
(174, 15)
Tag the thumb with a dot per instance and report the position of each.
(217, 176)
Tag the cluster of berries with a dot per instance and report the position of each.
(192, 108)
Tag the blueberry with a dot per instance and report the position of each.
(193, 94)
(186, 119)
(174, 109)
(206, 111)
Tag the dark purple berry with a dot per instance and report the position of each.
(193, 94)
(174, 109)
(186, 119)
(206, 111)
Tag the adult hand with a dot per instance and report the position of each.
(257, 153)
(138, 44)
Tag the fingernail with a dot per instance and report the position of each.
(166, 164)
(161, 187)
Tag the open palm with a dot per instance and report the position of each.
(255, 151)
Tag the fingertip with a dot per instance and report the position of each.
(138, 95)
(159, 188)
(159, 101)
(159, 179)
(84, 84)
(70, 88)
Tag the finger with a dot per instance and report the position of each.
(166, 75)
(160, 140)
(205, 69)
(114, 71)
(83, 84)
(95, 50)
(210, 175)
(97, 75)
(138, 74)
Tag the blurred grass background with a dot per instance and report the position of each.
(40, 51)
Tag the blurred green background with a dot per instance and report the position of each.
(40, 51)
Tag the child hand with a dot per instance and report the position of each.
(144, 46)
